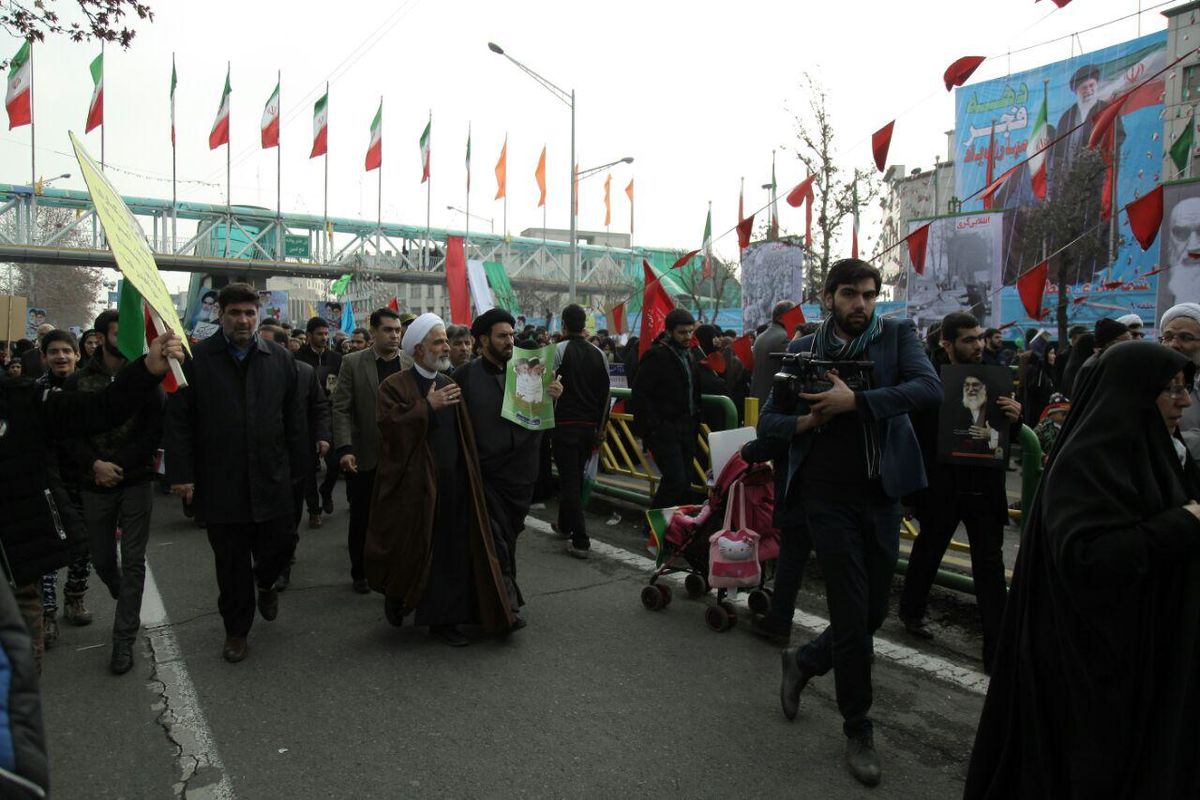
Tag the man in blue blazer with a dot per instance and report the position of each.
(853, 454)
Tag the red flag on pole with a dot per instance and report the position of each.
(1104, 122)
(744, 350)
(394, 304)
(881, 140)
(744, 226)
(960, 71)
(917, 241)
(656, 304)
(617, 317)
(1031, 286)
(792, 319)
(456, 281)
(685, 258)
(714, 361)
(991, 166)
(995, 185)
(1146, 216)
(802, 192)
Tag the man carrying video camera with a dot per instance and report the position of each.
(853, 454)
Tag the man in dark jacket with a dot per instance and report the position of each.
(328, 365)
(579, 419)
(31, 535)
(773, 340)
(974, 496)
(666, 408)
(234, 438)
(116, 473)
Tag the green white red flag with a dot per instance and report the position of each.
(136, 328)
(270, 120)
(375, 148)
(95, 117)
(1035, 151)
(707, 246)
(425, 150)
(320, 145)
(468, 158)
(19, 100)
(219, 135)
(173, 82)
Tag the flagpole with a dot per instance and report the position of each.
(279, 254)
(228, 167)
(103, 121)
(379, 207)
(328, 237)
(173, 194)
(429, 192)
(32, 159)
(467, 237)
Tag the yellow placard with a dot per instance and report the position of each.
(127, 241)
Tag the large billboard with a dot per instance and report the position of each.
(1179, 246)
(1074, 91)
(963, 259)
(771, 271)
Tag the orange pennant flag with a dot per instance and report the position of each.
(540, 174)
(607, 201)
(502, 170)
(629, 194)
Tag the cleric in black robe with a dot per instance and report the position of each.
(429, 544)
(508, 452)
(1096, 685)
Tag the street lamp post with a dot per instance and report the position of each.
(491, 222)
(569, 99)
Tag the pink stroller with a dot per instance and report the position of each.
(687, 547)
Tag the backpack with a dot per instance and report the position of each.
(733, 554)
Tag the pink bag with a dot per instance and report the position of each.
(733, 554)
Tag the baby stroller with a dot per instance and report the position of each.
(684, 545)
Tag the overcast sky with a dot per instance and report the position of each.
(699, 93)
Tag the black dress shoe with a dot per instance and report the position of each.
(235, 649)
(393, 609)
(361, 586)
(761, 626)
(449, 634)
(268, 603)
(862, 760)
(918, 628)
(122, 658)
(327, 505)
(284, 580)
(793, 682)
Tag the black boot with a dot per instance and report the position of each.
(862, 760)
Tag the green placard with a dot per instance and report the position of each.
(527, 399)
(502, 290)
(295, 245)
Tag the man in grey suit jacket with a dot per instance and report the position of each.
(853, 455)
(773, 340)
(356, 430)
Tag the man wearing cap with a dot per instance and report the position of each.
(429, 546)
(508, 453)
(356, 430)
(1180, 331)
(1134, 324)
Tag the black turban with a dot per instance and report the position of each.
(482, 326)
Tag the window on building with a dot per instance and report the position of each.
(1191, 83)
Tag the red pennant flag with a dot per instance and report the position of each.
(792, 319)
(1146, 216)
(1031, 286)
(394, 304)
(617, 315)
(456, 281)
(685, 258)
(744, 229)
(802, 192)
(881, 140)
(960, 71)
(1104, 122)
(917, 240)
(995, 185)
(656, 304)
(714, 361)
(1059, 3)
(744, 350)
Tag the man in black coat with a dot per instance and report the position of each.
(327, 362)
(234, 439)
(666, 408)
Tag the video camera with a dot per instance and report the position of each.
(808, 374)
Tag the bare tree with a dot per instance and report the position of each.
(100, 19)
(834, 185)
(706, 293)
(71, 295)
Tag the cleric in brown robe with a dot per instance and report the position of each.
(429, 545)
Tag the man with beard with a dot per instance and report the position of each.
(327, 362)
(1181, 282)
(852, 456)
(972, 495)
(508, 453)
(1180, 331)
(429, 547)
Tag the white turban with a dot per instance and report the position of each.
(418, 329)
(1130, 320)
(1188, 310)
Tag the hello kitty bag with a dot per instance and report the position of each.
(733, 554)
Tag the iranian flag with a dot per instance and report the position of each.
(321, 127)
(375, 148)
(219, 135)
(1035, 151)
(136, 328)
(173, 82)
(20, 84)
(707, 246)
(270, 120)
(468, 158)
(659, 520)
(425, 150)
(95, 117)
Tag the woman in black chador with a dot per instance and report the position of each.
(1096, 688)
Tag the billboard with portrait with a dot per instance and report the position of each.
(771, 271)
(1002, 116)
(273, 303)
(1179, 246)
(963, 260)
(200, 318)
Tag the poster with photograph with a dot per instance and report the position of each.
(202, 308)
(771, 271)
(34, 319)
(331, 312)
(972, 428)
(1179, 246)
(963, 259)
(273, 303)
(527, 399)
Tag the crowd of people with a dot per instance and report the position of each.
(439, 483)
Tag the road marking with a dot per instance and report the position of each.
(182, 717)
(963, 677)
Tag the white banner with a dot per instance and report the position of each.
(481, 295)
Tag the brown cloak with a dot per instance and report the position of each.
(399, 543)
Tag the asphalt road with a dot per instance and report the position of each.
(597, 697)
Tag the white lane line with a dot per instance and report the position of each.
(198, 759)
(940, 668)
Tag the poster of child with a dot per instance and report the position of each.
(526, 388)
